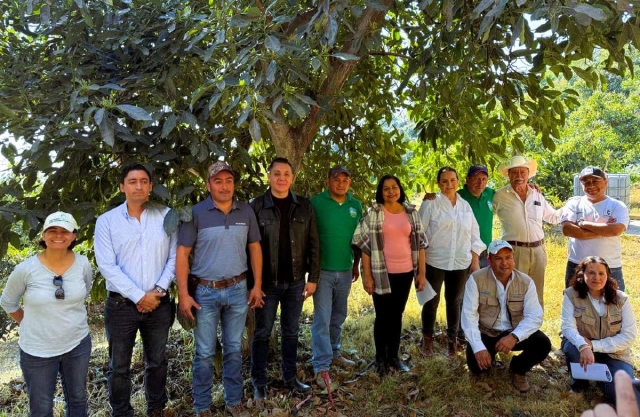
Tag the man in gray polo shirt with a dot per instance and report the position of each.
(219, 234)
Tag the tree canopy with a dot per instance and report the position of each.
(86, 86)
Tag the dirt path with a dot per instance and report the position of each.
(634, 228)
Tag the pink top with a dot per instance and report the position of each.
(396, 232)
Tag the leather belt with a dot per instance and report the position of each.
(116, 295)
(218, 285)
(526, 244)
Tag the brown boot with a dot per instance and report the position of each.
(452, 344)
(427, 346)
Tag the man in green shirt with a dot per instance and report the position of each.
(480, 198)
(337, 215)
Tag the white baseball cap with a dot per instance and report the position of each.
(61, 219)
(496, 245)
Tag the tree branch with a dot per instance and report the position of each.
(339, 75)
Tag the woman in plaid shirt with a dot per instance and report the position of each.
(392, 241)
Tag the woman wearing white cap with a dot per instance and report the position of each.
(54, 334)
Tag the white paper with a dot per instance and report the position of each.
(425, 295)
(594, 372)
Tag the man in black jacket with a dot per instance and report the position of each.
(290, 249)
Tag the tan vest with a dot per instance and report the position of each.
(489, 304)
(594, 327)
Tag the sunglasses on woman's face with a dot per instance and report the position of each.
(57, 281)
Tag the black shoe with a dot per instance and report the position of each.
(397, 364)
(297, 386)
(381, 368)
(260, 393)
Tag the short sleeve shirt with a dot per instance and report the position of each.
(609, 248)
(336, 224)
(482, 208)
(219, 240)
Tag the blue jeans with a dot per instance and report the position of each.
(41, 374)
(329, 312)
(572, 354)
(227, 306)
(122, 322)
(616, 273)
(289, 296)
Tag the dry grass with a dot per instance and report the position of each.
(435, 387)
(634, 202)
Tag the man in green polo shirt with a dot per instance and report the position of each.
(337, 215)
(480, 198)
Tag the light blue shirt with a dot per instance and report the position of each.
(134, 255)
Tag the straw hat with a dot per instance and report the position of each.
(520, 161)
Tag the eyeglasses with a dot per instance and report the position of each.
(57, 281)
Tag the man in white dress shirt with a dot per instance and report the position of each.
(521, 210)
(137, 259)
(501, 313)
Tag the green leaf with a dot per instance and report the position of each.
(185, 213)
(135, 112)
(168, 126)
(33, 221)
(171, 222)
(271, 72)
(343, 56)
(254, 130)
(481, 7)
(272, 43)
(189, 119)
(306, 99)
(161, 192)
(106, 130)
(97, 117)
(377, 5)
(593, 12)
(6, 111)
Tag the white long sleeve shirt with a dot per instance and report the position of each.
(621, 341)
(470, 320)
(522, 221)
(452, 232)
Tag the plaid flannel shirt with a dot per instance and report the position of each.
(368, 237)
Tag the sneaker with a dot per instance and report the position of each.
(320, 379)
(342, 362)
(520, 382)
(237, 410)
(205, 413)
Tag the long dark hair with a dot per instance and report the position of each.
(380, 199)
(578, 283)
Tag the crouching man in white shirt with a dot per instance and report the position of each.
(501, 313)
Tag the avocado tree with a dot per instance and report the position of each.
(88, 85)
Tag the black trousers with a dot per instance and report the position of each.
(454, 282)
(387, 326)
(534, 350)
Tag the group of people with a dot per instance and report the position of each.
(282, 248)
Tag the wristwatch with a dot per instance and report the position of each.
(160, 289)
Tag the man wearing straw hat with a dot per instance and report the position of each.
(521, 211)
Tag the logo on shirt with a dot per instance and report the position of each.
(608, 212)
(353, 212)
(490, 205)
